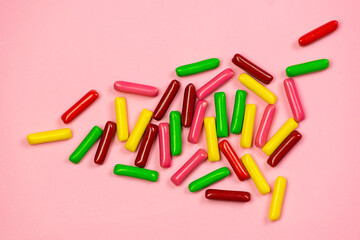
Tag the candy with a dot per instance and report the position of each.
(222, 128)
(86, 144)
(135, 88)
(199, 157)
(104, 144)
(255, 174)
(138, 131)
(294, 99)
(175, 133)
(197, 67)
(211, 139)
(196, 124)
(289, 126)
(166, 100)
(164, 145)
(248, 127)
(146, 144)
(265, 124)
(209, 179)
(318, 33)
(80, 106)
(238, 113)
(234, 160)
(214, 83)
(49, 136)
(284, 148)
(257, 88)
(308, 67)
(135, 172)
(121, 119)
(277, 198)
(188, 105)
(237, 196)
(252, 69)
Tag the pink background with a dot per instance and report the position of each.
(53, 52)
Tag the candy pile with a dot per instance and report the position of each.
(193, 116)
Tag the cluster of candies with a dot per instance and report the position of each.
(193, 116)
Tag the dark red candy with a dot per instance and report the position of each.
(146, 144)
(166, 100)
(238, 196)
(188, 105)
(104, 144)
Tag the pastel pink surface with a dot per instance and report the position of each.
(164, 145)
(197, 122)
(294, 100)
(53, 52)
(136, 88)
(265, 124)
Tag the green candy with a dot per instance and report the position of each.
(222, 128)
(308, 67)
(86, 144)
(209, 179)
(175, 133)
(135, 172)
(197, 67)
(238, 113)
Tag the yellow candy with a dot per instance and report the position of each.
(49, 136)
(280, 136)
(121, 119)
(255, 174)
(211, 139)
(257, 88)
(277, 198)
(248, 126)
(138, 131)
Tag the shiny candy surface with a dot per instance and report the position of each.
(121, 119)
(318, 33)
(105, 141)
(175, 133)
(211, 139)
(188, 105)
(222, 128)
(49, 136)
(135, 172)
(308, 67)
(238, 112)
(277, 198)
(197, 123)
(136, 88)
(80, 106)
(248, 127)
(209, 179)
(294, 100)
(265, 125)
(164, 145)
(255, 174)
(197, 67)
(166, 100)
(146, 145)
(226, 195)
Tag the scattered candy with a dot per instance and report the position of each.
(188, 105)
(166, 100)
(238, 112)
(86, 144)
(294, 100)
(277, 198)
(199, 157)
(49, 136)
(104, 144)
(226, 195)
(252, 69)
(135, 172)
(136, 88)
(318, 33)
(197, 122)
(264, 126)
(175, 133)
(211, 139)
(255, 174)
(80, 106)
(248, 127)
(209, 179)
(214, 83)
(146, 144)
(121, 119)
(138, 131)
(164, 145)
(257, 88)
(308, 67)
(197, 67)
(222, 128)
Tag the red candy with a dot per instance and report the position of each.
(226, 195)
(318, 33)
(166, 100)
(188, 105)
(104, 144)
(146, 144)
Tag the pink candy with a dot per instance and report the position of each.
(265, 124)
(197, 122)
(214, 83)
(164, 145)
(135, 88)
(294, 100)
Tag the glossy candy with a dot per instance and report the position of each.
(136, 88)
(86, 144)
(308, 67)
(145, 145)
(222, 128)
(252, 69)
(138, 131)
(80, 106)
(255, 174)
(257, 88)
(197, 67)
(214, 83)
(248, 127)
(121, 119)
(277, 198)
(289, 126)
(105, 141)
(49, 136)
(234, 160)
(238, 112)
(197, 123)
(188, 105)
(199, 157)
(175, 133)
(135, 172)
(164, 145)
(265, 125)
(294, 100)
(211, 139)
(226, 195)
(209, 179)
(284, 148)
(318, 33)
(166, 100)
